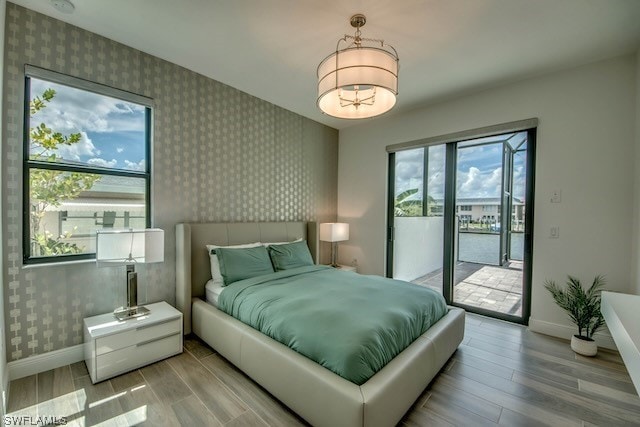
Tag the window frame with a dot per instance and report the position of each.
(29, 164)
(424, 211)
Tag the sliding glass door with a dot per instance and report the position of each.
(490, 203)
(460, 221)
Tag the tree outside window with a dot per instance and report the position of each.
(86, 166)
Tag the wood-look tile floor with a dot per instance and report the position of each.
(502, 374)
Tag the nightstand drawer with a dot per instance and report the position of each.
(138, 335)
(135, 356)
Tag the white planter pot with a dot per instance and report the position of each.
(585, 347)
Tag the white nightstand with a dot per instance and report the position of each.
(347, 268)
(113, 347)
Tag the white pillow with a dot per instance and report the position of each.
(282, 243)
(215, 264)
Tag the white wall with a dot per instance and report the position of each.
(418, 246)
(586, 139)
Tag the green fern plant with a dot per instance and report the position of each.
(582, 306)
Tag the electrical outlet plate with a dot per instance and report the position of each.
(556, 196)
(554, 232)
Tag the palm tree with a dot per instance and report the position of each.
(405, 206)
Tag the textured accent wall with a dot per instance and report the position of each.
(218, 155)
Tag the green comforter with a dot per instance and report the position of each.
(351, 324)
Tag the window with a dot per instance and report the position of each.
(409, 183)
(86, 164)
(419, 182)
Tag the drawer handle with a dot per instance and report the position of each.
(143, 343)
(155, 324)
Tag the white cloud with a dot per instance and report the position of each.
(519, 182)
(409, 171)
(73, 110)
(139, 166)
(477, 183)
(119, 149)
(409, 167)
(435, 179)
(83, 148)
(103, 163)
(484, 156)
(436, 184)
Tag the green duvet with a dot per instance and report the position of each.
(351, 324)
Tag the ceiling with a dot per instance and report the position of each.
(270, 49)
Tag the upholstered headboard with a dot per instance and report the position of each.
(193, 268)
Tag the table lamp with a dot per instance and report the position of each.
(129, 247)
(334, 232)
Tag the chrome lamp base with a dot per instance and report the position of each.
(124, 313)
(132, 309)
(334, 255)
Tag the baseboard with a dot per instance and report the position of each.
(602, 338)
(44, 362)
(5, 389)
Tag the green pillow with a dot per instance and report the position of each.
(243, 263)
(290, 255)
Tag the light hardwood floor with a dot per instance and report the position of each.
(502, 374)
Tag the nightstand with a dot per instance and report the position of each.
(347, 268)
(113, 347)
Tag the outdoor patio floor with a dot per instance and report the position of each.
(489, 287)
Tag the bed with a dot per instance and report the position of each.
(303, 385)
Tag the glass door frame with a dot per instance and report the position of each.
(506, 202)
(450, 227)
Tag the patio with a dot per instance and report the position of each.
(486, 286)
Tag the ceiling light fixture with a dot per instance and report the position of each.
(358, 81)
(64, 6)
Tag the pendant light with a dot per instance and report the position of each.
(361, 79)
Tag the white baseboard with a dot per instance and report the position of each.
(5, 390)
(44, 362)
(602, 338)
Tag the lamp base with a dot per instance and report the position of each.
(124, 313)
(133, 309)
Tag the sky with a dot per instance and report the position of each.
(112, 130)
(479, 171)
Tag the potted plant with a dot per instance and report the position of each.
(583, 308)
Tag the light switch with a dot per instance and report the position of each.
(554, 232)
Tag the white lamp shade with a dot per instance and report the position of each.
(129, 247)
(334, 232)
(373, 71)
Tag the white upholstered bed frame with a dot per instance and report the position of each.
(312, 391)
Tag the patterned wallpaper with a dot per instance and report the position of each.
(218, 155)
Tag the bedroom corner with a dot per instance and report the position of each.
(211, 161)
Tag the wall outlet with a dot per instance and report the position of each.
(554, 232)
(556, 196)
